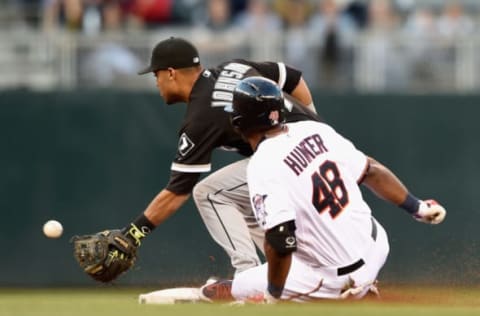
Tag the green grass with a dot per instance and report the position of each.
(118, 302)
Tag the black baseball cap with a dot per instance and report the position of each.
(174, 52)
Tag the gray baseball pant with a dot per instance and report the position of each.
(223, 201)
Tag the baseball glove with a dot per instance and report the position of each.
(104, 255)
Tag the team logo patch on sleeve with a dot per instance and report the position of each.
(185, 145)
(259, 205)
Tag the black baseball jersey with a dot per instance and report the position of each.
(206, 125)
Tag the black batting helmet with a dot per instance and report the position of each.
(257, 105)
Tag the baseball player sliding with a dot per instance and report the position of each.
(321, 240)
(222, 197)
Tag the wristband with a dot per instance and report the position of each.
(275, 291)
(138, 229)
(410, 204)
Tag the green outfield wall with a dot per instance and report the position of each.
(94, 160)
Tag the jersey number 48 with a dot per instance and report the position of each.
(329, 191)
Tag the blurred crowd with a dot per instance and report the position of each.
(330, 27)
(422, 17)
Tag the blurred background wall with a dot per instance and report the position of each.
(88, 142)
(95, 160)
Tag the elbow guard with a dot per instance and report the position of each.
(282, 238)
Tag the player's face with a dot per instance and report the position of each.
(167, 85)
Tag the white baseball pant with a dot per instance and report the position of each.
(223, 201)
(306, 282)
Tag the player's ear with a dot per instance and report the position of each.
(171, 73)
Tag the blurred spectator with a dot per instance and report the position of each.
(262, 28)
(92, 17)
(88, 16)
(112, 14)
(334, 33)
(454, 22)
(381, 16)
(383, 62)
(109, 64)
(218, 15)
(295, 15)
(153, 13)
(421, 23)
(237, 7)
(215, 32)
(358, 10)
(420, 27)
(258, 17)
(62, 13)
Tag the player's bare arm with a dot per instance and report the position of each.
(385, 184)
(302, 92)
(278, 269)
(280, 243)
(164, 205)
(303, 95)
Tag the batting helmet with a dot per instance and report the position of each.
(258, 105)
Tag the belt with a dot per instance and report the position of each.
(359, 263)
(350, 268)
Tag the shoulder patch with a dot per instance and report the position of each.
(185, 145)
(258, 202)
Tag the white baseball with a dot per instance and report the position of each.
(52, 229)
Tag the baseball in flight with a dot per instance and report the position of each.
(52, 229)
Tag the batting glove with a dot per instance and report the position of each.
(430, 212)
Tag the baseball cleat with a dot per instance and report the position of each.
(216, 291)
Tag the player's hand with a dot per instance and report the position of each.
(261, 298)
(430, 212)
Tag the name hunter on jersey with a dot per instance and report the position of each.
(304, 153)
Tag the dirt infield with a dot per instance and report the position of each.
(110, 301)
(428, 295)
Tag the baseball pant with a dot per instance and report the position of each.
(223, 201)
(306, 282)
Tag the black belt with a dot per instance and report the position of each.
(359, 263)
(350, 268)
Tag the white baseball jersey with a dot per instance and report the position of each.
(309, 175)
